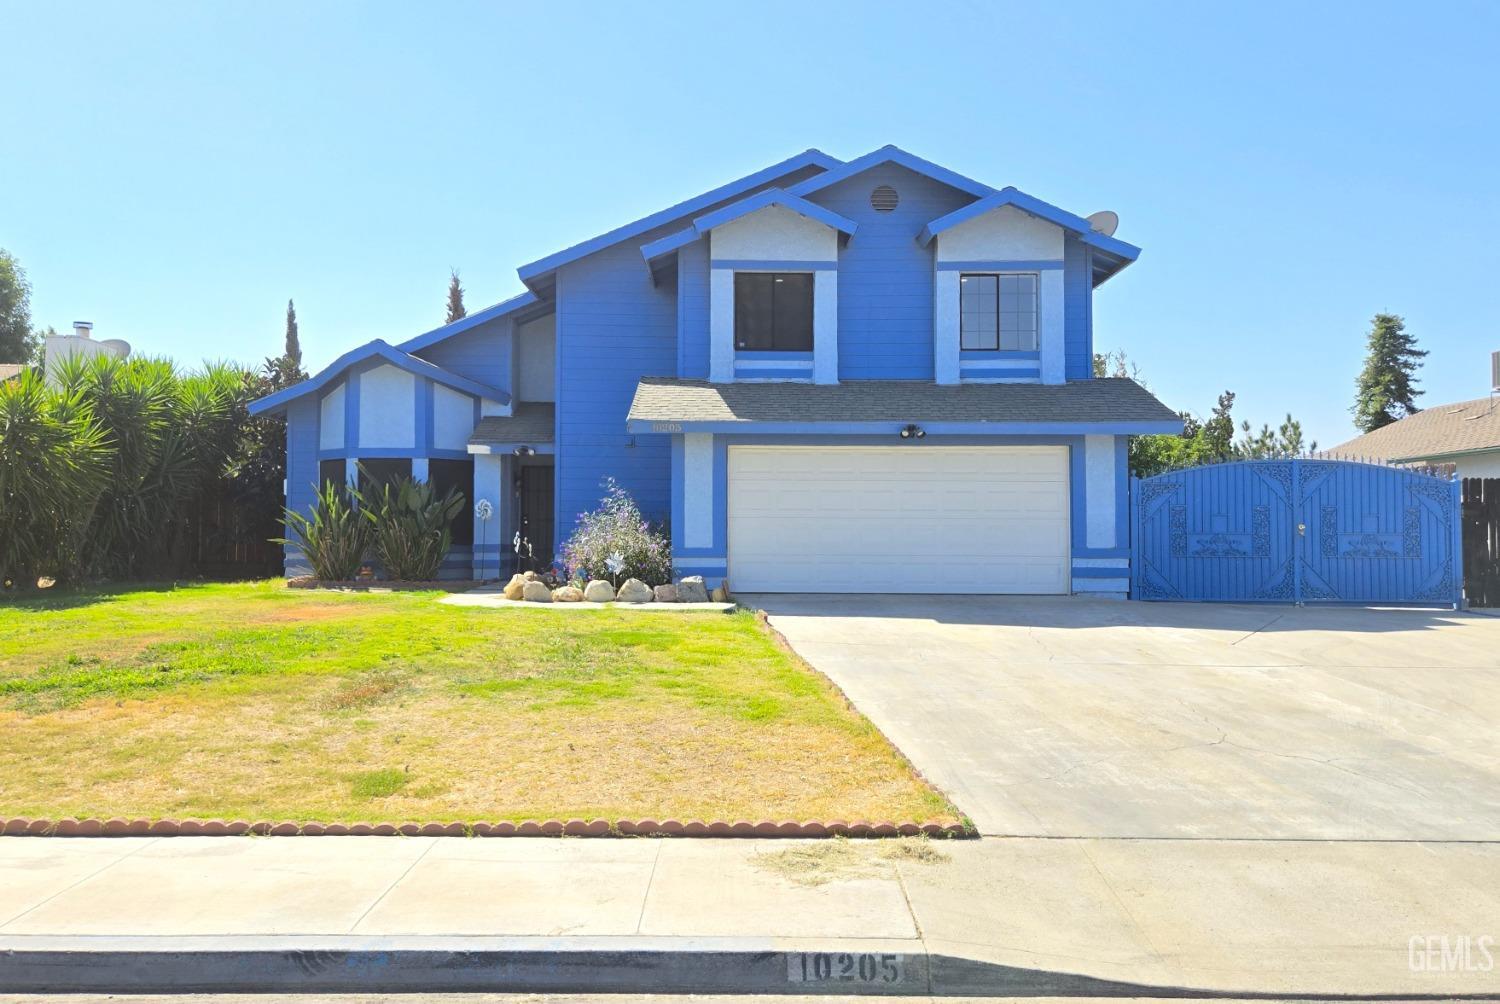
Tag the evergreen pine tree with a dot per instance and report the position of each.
(293, 353)
(455, 299)
(1386, 388)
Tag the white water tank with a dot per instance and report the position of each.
(80, 342)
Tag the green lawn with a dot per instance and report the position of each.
(254, 701)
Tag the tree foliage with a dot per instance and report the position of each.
(456, 309)
(160, 441)
(293, 351)
(1386, 388)
(18, 342)
(54, 464)
(1202, 441)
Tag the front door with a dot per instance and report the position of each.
(536, 517)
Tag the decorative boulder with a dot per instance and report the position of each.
(634, 591)
(512, 589)
(567, 594)
(721, 592)
(665, 594)
(599, 591)
(529, 576)
(536, 592)
(691, 590)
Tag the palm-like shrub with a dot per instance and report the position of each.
(411, 528)
(617, 528)
(170, 436)
(53, 467)
(335, 537)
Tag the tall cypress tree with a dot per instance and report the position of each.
(1386, 388)
(293, 352)
(455, 298)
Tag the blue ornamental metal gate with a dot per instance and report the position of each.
(1296, 531)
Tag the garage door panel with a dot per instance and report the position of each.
(882, 519)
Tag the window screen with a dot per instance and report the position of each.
(997, 312)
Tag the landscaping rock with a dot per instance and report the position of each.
(599, 591)
(692, 590)
(567, 594)
(536, 592)
(634, 591)
(512, 590)
(665, 594)
(529, 576)
(721, 592)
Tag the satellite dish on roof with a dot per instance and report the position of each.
(1105, 222)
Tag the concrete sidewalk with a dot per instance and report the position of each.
(1019, 916)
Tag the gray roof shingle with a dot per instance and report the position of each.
(1461, 427)
(1113, 399)
(531, 423)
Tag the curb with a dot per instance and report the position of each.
(632, 965)
(117, 827)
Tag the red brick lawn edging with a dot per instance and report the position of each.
(116, 827)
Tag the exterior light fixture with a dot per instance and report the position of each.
(523, 451)
(913, 432)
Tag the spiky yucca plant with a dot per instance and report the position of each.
(335, 538)
(54, 461)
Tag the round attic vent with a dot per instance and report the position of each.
(884, 199)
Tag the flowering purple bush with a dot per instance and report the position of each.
(618, 530)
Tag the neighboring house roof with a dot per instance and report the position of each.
(1036, 207)
(890, 155)
(532, 424)
(1440, 431)
(376, 349)
(534, 274)
(1113, 402)
(734, 211)
(514, 305)
(9, 371)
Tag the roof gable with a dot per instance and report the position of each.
(534, 274)
(739, 210)
(891, 155)
(1008, 196)
(376, 349)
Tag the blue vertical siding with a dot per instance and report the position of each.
(885, 278)
(1078, 310)
(302, 417)
(483, 353)
(613, 327)
(692, 311)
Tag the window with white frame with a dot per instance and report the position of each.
(997, 312)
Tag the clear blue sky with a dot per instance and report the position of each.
(175, 172)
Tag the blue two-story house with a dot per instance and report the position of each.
(862, 376)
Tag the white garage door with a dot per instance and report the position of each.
(898, 519)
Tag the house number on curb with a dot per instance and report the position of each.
(845, 967)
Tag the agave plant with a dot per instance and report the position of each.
(335, 538)
(411, 527)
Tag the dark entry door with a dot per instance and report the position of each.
(536, 515)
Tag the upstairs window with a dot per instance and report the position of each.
(997, 313)
(773, 311)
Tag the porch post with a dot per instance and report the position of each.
(488, 486)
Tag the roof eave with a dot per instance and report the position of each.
(894, 426)
(515, 304)
(537, 274)
(276, 403)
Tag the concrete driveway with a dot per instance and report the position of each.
(1071, 717)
